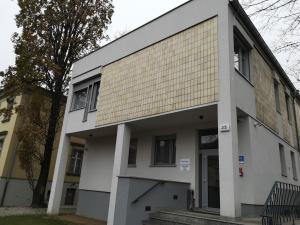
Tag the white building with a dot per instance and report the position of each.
(193, 100)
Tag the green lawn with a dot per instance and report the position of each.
(31, 220)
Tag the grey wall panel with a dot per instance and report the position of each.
(19, 194)
(93, 204)
(167, 195)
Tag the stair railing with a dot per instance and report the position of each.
(147, 191)
(282, 204)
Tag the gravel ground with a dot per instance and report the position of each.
(12, 211)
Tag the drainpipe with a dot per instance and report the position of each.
(296, 124)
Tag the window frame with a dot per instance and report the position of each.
(277, 95)
(282, 161)
(288, 107)
(66, 200)
(294, 167)
(87, 85)
(244, 49)
(2, 137)
(172, 152)
(133, 141)
(77, 149)
(94, 98)
(73, 99)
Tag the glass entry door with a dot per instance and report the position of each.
(210, 180)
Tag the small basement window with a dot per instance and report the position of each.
(241, 57)
(79, 99)
(70, 196)
(165, 151)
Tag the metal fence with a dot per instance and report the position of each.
(282, 204)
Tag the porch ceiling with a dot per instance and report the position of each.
(197, 116)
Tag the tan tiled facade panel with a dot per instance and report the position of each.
(297, 112)
(263, 78)
(264, 90)
(283, 114)
(178, 72)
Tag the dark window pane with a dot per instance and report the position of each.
(76, 162)
(132, 152)
(79, 99)
(209, 139)
(165, 151)
(277, 99)
(70, 196)
(95, 94)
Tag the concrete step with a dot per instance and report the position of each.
(177, 217)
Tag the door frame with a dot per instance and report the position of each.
(204, 178)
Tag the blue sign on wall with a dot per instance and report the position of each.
(242, 159)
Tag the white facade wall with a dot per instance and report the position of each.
(98, 159)
(96, 172)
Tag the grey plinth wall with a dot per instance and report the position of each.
(93, 204)
(165, 195)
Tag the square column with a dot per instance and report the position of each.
(59, 175)
(227, 115)
(60, 163)
(119, 169)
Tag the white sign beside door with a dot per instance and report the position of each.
(185, 164)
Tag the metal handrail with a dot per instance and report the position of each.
(282, 204)
(147, 191)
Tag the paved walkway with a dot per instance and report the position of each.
(14, 211)
(80, 220)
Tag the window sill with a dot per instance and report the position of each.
(131, 166)
(243, 76)
(165, 165)
(73, 175)
(92, 110)
(74, 110)
(283, 175)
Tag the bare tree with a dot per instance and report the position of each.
(280, 18)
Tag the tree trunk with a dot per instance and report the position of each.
(40, 188)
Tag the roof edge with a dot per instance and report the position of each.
(259, 39)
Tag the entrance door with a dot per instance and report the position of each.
(210, 180)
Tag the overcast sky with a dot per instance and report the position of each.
(129, 14)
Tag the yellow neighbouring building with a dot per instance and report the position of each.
(14, 187)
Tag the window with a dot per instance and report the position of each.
(241, 57)
(288, 109)
(8, 112)
(79, 99)
(132, 152)
(165, 151)
(209, 139)
(282, 160)
(276, 92)
(76, 161)
(294, 165)
(95, 93)
(2, 138)
(70, 196)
